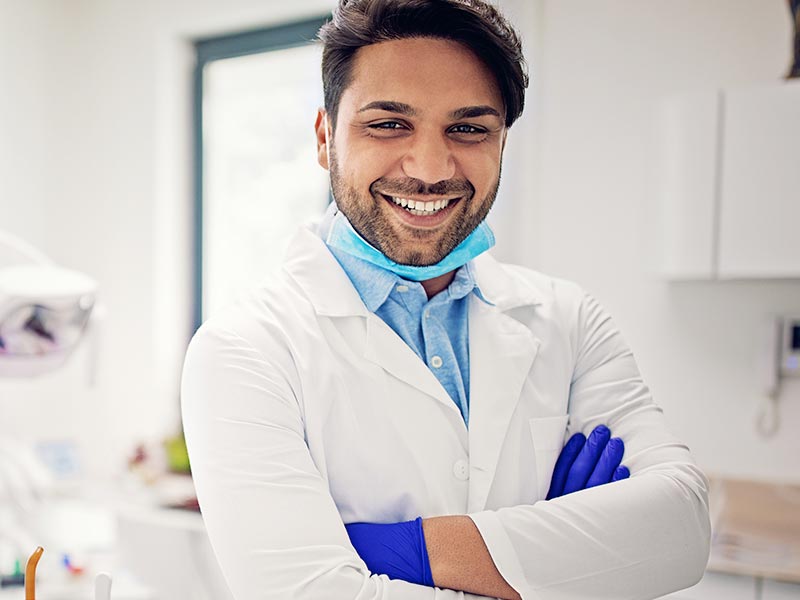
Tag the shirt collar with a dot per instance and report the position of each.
(464, 282)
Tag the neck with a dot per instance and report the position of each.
(437, 284)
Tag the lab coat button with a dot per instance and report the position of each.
(402, 288)
(461, 470)
(436, 362)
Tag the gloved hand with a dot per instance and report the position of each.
(585, 463)
(394, 549)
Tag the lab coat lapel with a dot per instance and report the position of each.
(502, 353)
(328, 288)
(387, 350)
(311, 265)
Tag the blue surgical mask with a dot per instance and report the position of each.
(342, 236)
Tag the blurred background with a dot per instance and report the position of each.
(165, 149)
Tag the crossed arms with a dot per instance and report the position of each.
(448, 552)
(278, 534)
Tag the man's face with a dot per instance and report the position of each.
(421, 124)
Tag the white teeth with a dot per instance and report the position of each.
(419, 207)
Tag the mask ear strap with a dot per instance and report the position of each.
(328, 136)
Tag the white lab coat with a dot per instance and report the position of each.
(304, 411)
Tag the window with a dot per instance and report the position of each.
(256, 174)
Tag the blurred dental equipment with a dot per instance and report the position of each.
(102, 587)
(30, 574)
(44, 314)
(44, 310)
(102, 583)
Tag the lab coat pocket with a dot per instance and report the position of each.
(548, 435)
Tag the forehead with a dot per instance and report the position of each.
(426, 73)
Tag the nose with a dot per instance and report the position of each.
(429, 158)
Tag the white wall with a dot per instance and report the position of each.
(603, 67)
(94, 135)
(100, 115)
(23, 29)
(27, 191)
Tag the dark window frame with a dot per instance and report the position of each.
(207, 50)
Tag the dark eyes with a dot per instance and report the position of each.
(467, 129)
(387, 125)
(463, 132)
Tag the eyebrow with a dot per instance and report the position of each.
(388, 105)
(466, 112)
(470, 112)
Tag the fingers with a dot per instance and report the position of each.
(588, 462)
(621, 473)
(607, 464)
(587, 459)
(564, 463)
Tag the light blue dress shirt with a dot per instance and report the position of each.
(437, 330)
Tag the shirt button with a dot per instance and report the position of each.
(461, 470)
(402, 288)
(436, 362)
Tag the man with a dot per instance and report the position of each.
(383, 419)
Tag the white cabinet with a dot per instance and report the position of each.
(687, 185)
(723, 586)
(780, 590)
(729, 183)
(759, 231)
(718, 586)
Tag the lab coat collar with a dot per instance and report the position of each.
(499, 288)
(311, 264)
(321, 277)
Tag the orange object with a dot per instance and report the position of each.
(30, 574)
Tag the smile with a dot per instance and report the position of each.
(420, 207)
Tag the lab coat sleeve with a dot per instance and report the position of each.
(272, 522)
(634, 539)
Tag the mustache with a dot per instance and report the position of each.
(415, 187)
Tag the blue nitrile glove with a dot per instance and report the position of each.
(585, 463)
(394, 549)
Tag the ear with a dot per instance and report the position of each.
(321, 130)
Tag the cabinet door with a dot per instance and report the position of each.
(718, 586)
(760, 208)
(780, 590)
(686, 184)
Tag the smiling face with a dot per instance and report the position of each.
(415, 158)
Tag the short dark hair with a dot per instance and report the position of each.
(474, 23)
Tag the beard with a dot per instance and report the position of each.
(420, 248)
